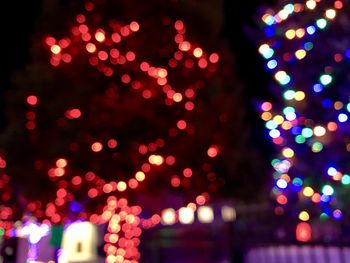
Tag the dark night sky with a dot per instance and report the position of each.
(19, 26)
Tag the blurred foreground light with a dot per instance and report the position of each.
(34, 232)
(168, 216)
(228, 213)
(186, 215)
(205, 214)
(303, 232)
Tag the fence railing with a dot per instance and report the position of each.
(298, 254)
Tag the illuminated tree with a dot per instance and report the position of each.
(122, 105)
(306, 46)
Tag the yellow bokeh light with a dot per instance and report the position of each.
(319, 131)
(56, 49)
(121, 186)
(311, 4)
(162, 73)
(198, 52)
(140, 176)
(304, 216)
(119, 259)
(280, 75)
(290, 34)
(278, 119)
(266, 17)
(283, 14)
(156, 159)
(299, 96)
(288, 152)
(177, 97)
(308, 191)
(130, 219)
(100, 36)
(264, 48)
(61, 163)
(330, 13)
(300, 54)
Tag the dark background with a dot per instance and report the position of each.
(18, 24)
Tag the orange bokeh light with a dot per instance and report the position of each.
(177, 97)
(96, 147)
(61, 163)
(213, 151)
(185, 46)
(59, 172)
(90, 47)
(332, 126)
(134, 26)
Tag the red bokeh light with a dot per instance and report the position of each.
(187, 172)
(32, 100)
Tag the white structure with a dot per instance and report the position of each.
(79, 243)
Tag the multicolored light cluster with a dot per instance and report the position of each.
(306, 51)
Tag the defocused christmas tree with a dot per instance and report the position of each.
(306, 47)
(127, 102)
